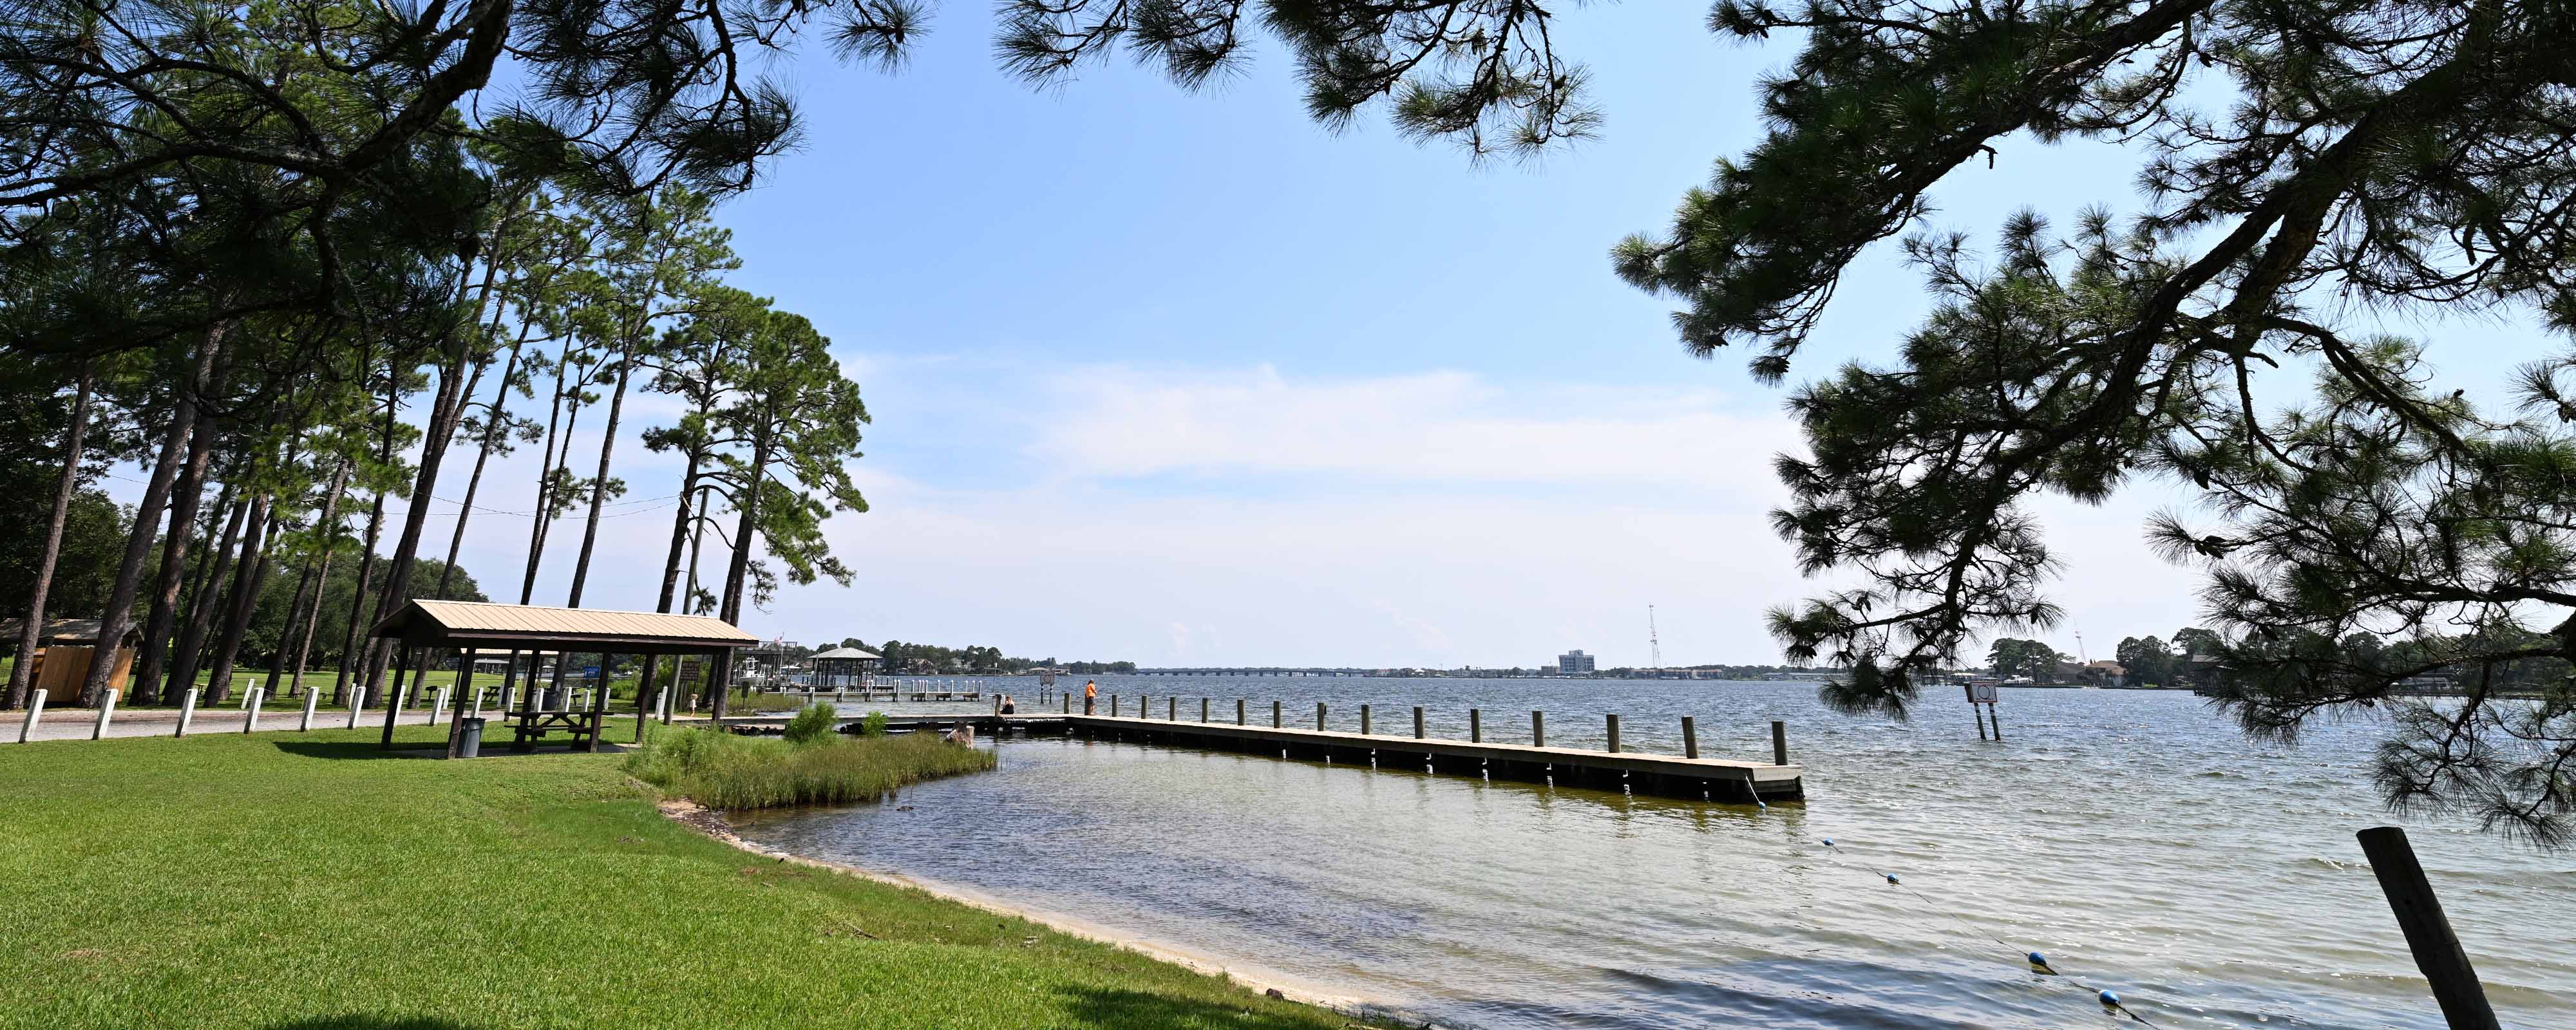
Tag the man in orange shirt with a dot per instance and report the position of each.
(1090, 693)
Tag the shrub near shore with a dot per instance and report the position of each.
(722, 770)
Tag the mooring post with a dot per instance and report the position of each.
(2428, 932)
(35, 711)
(1417, 722)
(1614, 733)
(1319, 716)
(311, 698)
(1113, 706)
(106, 710)
(1203, 709)
(1475, 726)
(1238, 711)
(1172, 709)
(1996, 718)
(1690, 738)
(187, 711)
(1274, 716)
(1538, 728)
(1068, 703)
(258, 697)
(1364, 720)
(1779, 742)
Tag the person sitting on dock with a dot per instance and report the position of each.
(1009, 706)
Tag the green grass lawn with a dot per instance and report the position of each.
(301, 881)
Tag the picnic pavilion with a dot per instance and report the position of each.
(473, 627)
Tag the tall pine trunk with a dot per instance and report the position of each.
(445, 408)
(189, 492)
(546, 477)
(311, 615)
(350, 655)
(738, 571)
(21, 670)
(189, 655)
(251, 573)
(494, 420)
(599, 483)
(119, 614)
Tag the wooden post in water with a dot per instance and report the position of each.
(1364, 720)
(2428, 932)
(1319, 716)
(1992, 716)
(1203, 702)
(1538, 728)
(1417, 722)
(1614, 733)
(1475, 726)
(1690, 738)
(1113, 706)
(1238, 711)
(1068, 703)
(1274, 716)
(1973, 711)
(1779, 742)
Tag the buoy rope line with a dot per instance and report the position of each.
(2038, 962)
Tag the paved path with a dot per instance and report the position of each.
(75, 723)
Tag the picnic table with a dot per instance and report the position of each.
(527, 727)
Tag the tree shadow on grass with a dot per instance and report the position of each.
(370, 1022)
(1139, 1010)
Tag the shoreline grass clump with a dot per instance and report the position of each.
(723, 770)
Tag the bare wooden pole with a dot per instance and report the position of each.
(2428, 932)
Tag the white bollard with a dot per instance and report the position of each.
(256, 698)
(477, 712)
(438, 711)
(35, 711)
(357, 704)
(106, 711)
(311, 698)
(187, 712)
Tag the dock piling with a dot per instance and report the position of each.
(1779, 742)
(1417, 722)
(1538, 729)
(1238, 711)
(1274, 716)
(1319, 715)
(1614, 733)
(1172, 709)
(1690, 738)
(2428, 932)
(1203, 709)
(1364, 720)
(1475, 726)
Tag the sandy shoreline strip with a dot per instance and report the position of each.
(713, 824)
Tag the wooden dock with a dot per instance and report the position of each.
(1639, 772)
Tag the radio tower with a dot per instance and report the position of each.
(1654, 644)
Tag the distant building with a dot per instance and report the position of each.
(1574, 663)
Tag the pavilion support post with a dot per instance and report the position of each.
(643, 707)
(402, 664)
(464, 682)
(598, 705)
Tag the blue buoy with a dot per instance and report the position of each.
(2038, 959)
(1891, 877)
(1829, 842)
(2110, 999)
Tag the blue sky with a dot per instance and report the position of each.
(1187, 378)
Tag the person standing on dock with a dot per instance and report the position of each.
(1090, 694)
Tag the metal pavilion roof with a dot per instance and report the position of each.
(483, 623)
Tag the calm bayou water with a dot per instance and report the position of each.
(2137, 839)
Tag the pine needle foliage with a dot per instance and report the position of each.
(2311, 171)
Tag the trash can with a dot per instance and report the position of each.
(469, 737)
